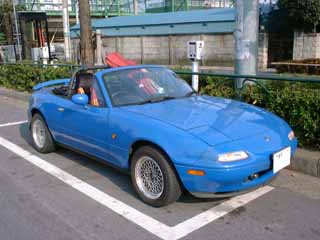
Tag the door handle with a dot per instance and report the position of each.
(60, 109)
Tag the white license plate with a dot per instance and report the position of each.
(281, 159)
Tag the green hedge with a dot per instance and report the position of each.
(23, 77)
(297, 103)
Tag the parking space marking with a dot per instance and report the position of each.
(13, 123)
(115, 205)
(146, 222)
(202, 219)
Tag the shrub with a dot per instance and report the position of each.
(23, 77)
(297, 103)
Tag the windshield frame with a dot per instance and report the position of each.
(144, 101)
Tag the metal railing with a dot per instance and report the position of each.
(272, 77)
(223, 79)
(228, 76)
(294, 98)
(101, 8)
(255, 79)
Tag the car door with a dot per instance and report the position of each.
(85, 128)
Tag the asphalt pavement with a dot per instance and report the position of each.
(64, 195)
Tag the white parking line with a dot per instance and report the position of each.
(13, 123)
(202, 219)
(146, 222)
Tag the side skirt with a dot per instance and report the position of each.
(100, 160)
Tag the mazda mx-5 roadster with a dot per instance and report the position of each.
(148, 121)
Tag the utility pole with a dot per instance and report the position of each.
(66, 30)
(7, 22)
(135, 7)
(17, 29)
(246, 39)
(86, 47)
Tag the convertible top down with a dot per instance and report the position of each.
(148, 121)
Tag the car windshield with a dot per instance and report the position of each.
(145, 85)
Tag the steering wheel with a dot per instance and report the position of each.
(122, 97)
(119, 93)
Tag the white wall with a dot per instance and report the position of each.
(306, 45)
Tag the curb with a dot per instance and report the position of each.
(305, 161)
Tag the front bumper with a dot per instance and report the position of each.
(224, 182)
(228, 194)
(228, 181)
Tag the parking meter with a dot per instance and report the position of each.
(195, 54)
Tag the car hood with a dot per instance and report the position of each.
(214, 120)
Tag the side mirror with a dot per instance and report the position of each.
(80, 99)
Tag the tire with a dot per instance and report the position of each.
(143, 161)
(41, 136)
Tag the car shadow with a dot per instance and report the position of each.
(116, 176)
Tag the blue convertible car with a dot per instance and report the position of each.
(147, 120)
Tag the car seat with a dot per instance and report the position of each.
(84, 86)
(83, 83)
(93, 97)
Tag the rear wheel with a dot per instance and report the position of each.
(153, 177)
(41, 136)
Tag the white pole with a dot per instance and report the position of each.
(66, 30)
(99, 48)
(195, 78)
(77, 12)
(17, 29)
(135, 7)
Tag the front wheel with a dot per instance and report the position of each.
(41, 136)
(153, 177)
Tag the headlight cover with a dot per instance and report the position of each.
(232, 156)
(291, 135)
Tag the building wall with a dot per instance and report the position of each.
(172, 50)
(263, 50)
(7, 54)
(306, 45)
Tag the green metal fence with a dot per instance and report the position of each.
(202, 74)
(102, 8)
(99, 8)
(262, 81)
(184, 5)
(272, 77)
(294, 98)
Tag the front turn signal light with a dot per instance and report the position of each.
(196, 172)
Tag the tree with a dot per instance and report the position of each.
(6, 21)
(303, 14)
(86, 46)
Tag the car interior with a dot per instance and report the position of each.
(85, 83)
